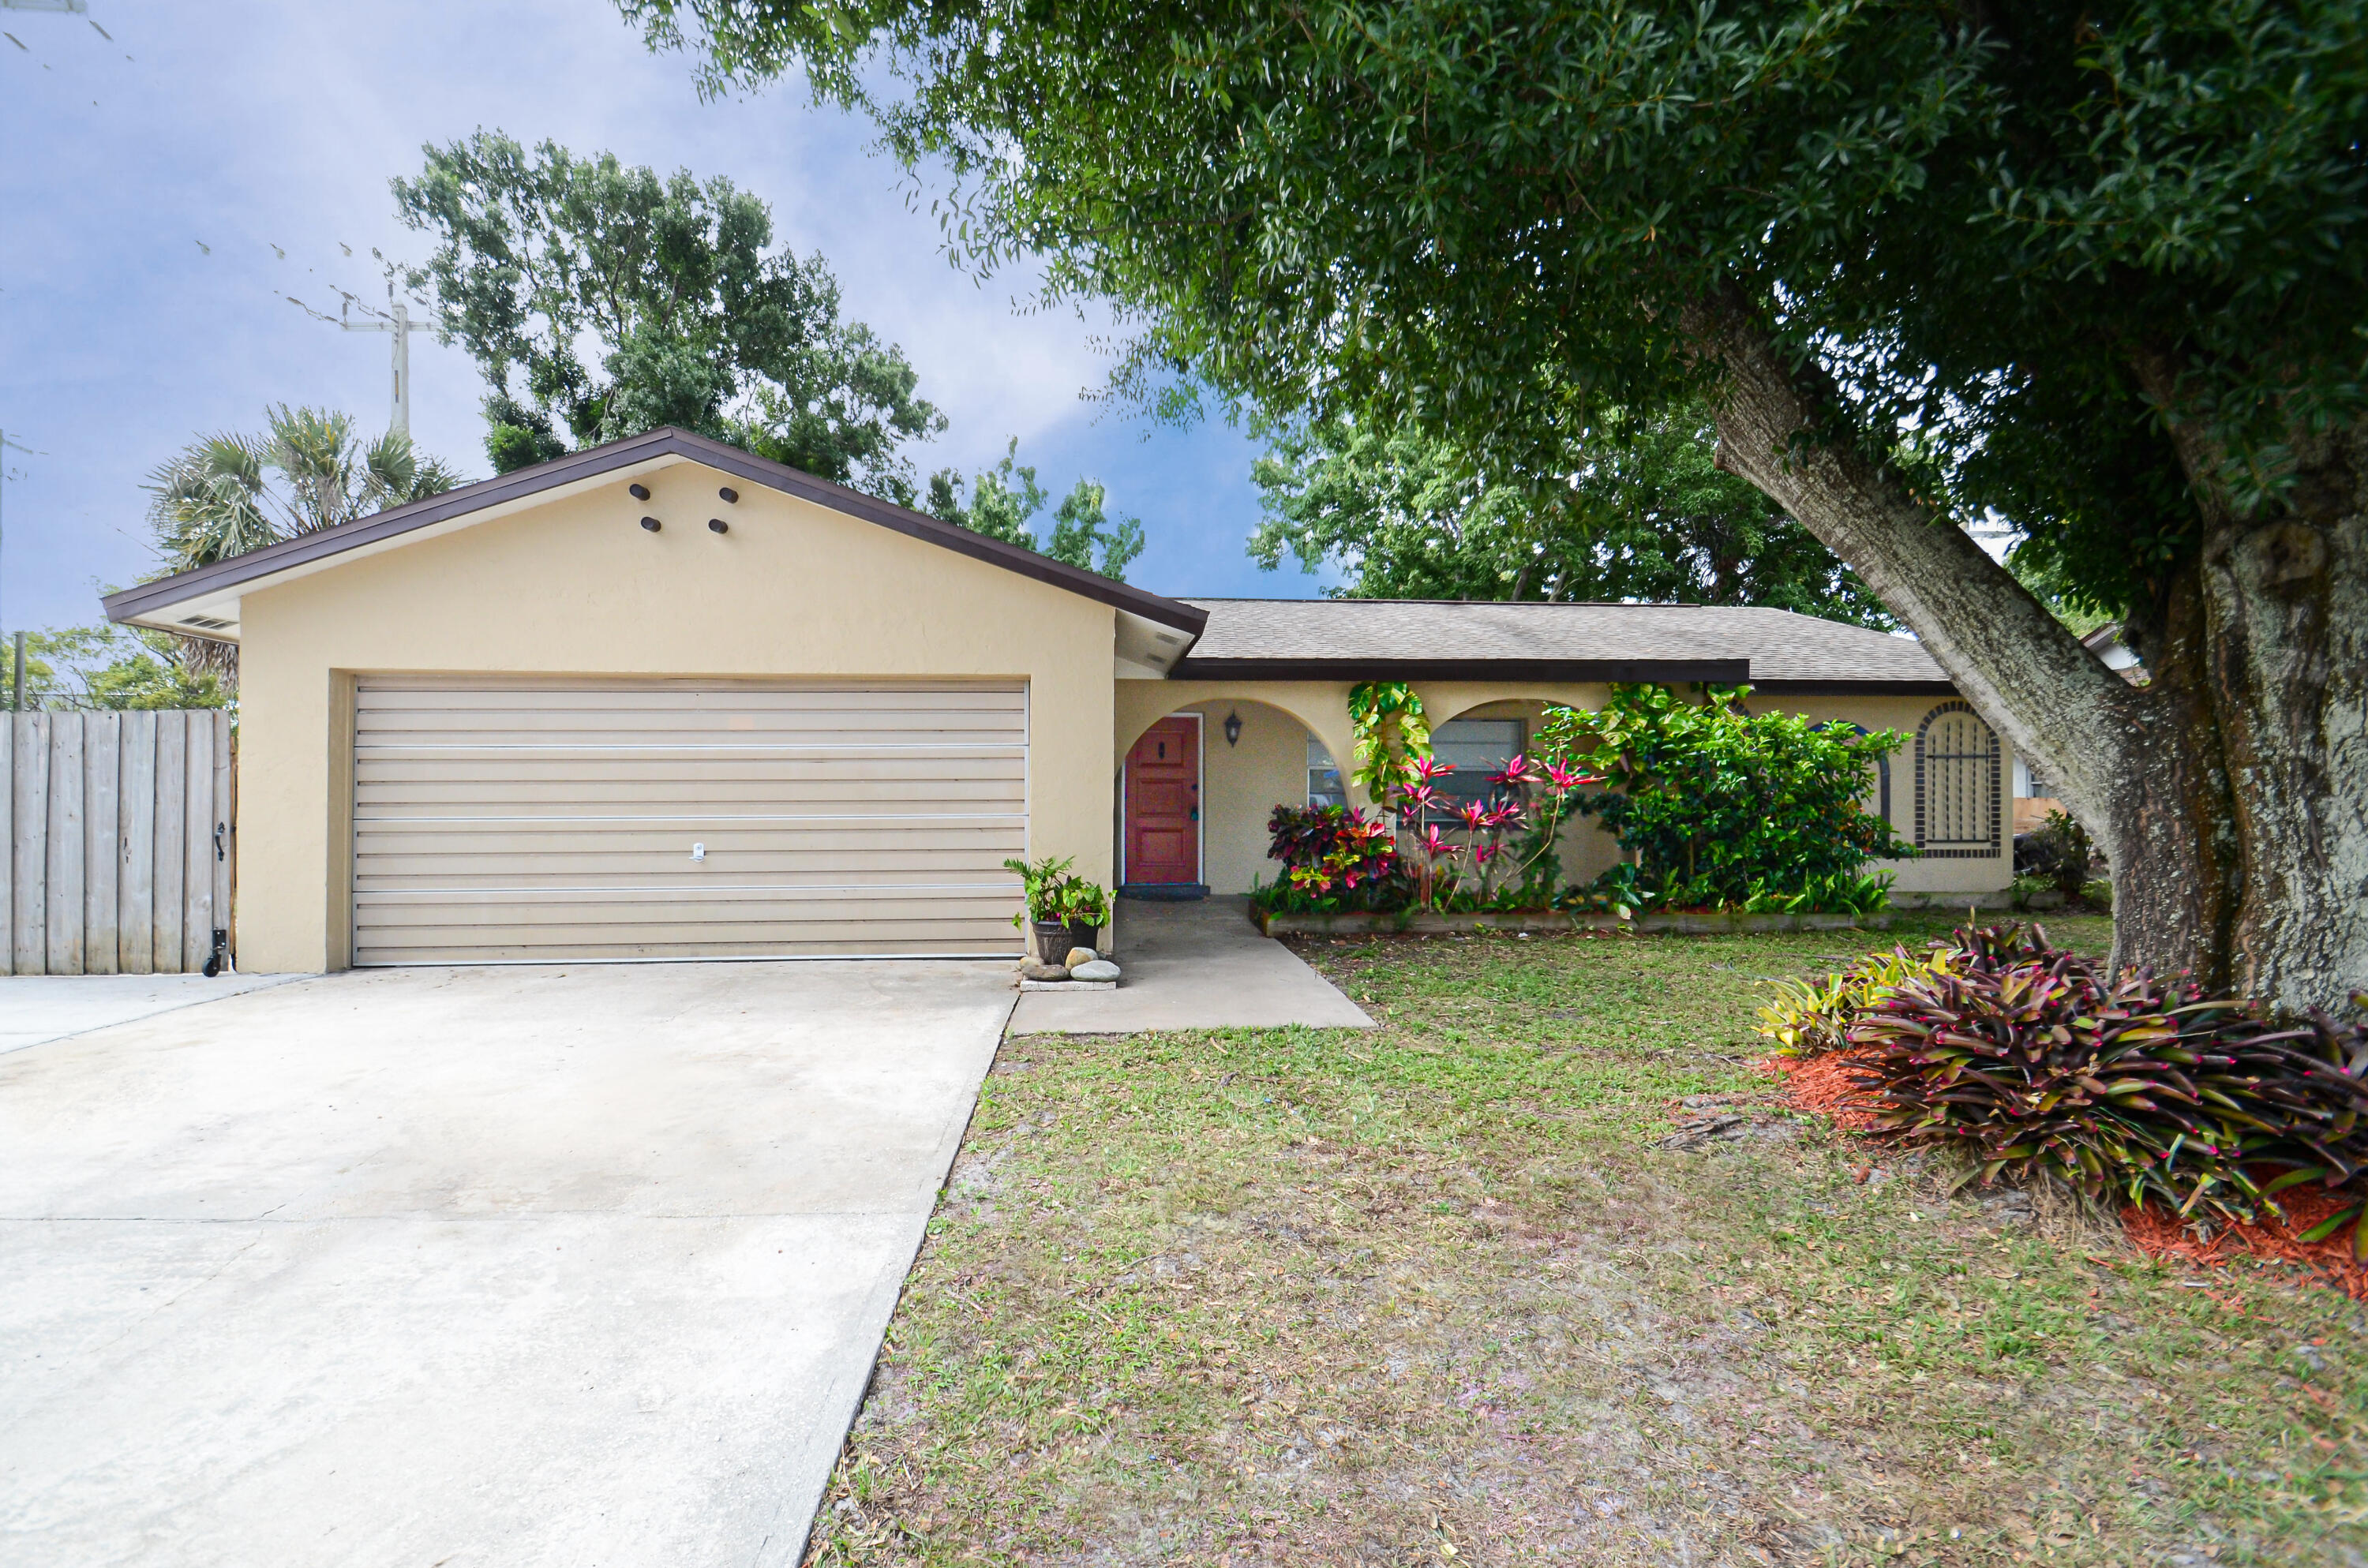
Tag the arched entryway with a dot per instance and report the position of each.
(1197, 785)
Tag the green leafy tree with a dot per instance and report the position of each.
(603, 300)
(2104, 260)
(113, 667)
(1631, 512)
(225, 494)
(1004, 498)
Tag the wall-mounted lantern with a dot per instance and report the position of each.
(1233, 729)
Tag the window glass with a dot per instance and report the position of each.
(1477, 747)
(1324, 787)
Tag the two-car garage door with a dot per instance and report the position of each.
(507, 820)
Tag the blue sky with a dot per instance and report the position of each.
(146, 178)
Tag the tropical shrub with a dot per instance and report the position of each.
(1812, 1017)
(2041, 1064)
(2058, 850)
(1497, 853)
(1725, 808)
(1050, 891)
(1391, 733)
(1334, 858)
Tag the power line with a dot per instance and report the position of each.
(395, 320)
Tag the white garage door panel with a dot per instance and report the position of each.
(524, 821)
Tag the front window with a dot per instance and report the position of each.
(1477, 747)
(1324, 787)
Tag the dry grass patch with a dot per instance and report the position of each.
(1440, 1293)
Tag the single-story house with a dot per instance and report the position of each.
(662, 698)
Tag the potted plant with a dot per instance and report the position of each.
(1044, 894)
(1085, 906)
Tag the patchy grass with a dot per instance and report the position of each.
(1437, 1293)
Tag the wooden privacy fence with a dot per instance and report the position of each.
(118, 836)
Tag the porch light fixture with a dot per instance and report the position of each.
(650, 523)
(718, 526)
(1233, 729)
(638, 492)
(730, 495)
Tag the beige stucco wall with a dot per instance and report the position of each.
(575, 586)
(1237, 819)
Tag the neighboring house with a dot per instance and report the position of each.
(664, 699)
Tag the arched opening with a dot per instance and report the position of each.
(1958, 762)
(1877, 803)
(1478, 737)
(1246, 758)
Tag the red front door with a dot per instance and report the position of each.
(1163, 804)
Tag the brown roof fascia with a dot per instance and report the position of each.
(1854, 688)
(1724, 672)
(592, 462)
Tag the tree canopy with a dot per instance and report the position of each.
(545, 260)
(1639, 513)
(2035, 235)
(226, 494)
(309, 469)
(2095, 269)
(1004, 498)
(119, 667)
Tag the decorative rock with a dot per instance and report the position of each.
(1101, 969)
(1080, 955)
(1043, 971)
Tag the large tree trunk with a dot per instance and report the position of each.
(2230, 793)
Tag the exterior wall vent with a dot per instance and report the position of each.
(205, 623)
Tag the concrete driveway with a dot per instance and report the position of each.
(470, 1266)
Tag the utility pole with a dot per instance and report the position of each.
(401, 326)
(5, 447)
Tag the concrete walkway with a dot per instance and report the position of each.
(1193, 966)
(529, 1266)
(38, 1008)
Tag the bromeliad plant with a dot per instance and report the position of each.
(1812, 1018)
(2042, 1066)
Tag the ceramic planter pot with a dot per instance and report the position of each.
(1053, 942)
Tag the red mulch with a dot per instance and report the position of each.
(1828, 1085)
(2160, 1233)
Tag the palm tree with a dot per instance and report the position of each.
(213, 499)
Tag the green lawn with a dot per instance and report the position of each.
(1436, 1293)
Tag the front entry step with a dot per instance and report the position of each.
(1164, 893)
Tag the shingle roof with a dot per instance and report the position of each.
(1775, 650)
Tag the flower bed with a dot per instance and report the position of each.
(1716, 810)
(2214, 1127)
(1544, 922)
